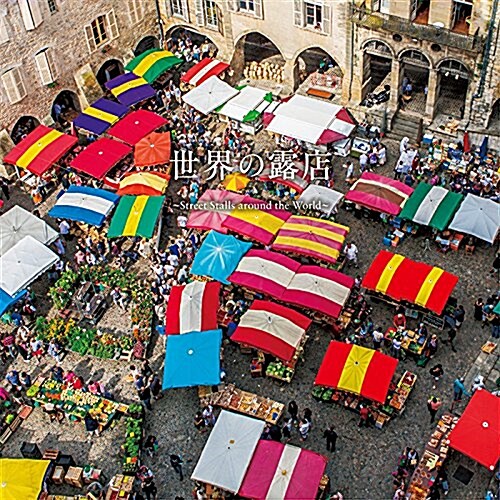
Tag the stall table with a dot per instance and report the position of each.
(120, 487)
(285, 370)
(410, 343)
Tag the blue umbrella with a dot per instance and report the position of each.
(483, 150)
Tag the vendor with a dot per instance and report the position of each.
(399, 321)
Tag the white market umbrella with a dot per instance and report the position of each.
(18, 223)
(321, 195)
(209, 95)
(479, 217)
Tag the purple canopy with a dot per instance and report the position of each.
(130, 89)
(100, 115)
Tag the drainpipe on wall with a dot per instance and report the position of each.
(160, 22)
(351, 65)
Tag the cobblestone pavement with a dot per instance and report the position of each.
(362, 464)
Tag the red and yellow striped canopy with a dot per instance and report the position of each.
(144, 183)
(415, 282)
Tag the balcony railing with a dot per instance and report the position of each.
(362, 16)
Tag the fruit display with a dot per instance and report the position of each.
(278, 370)
(132, 445)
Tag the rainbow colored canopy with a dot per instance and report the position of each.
(136, 216)
(356, 369)
(100, 115)
(130, 89)
(415, 282)
(152, 63)
(316, 238)
(40, 150)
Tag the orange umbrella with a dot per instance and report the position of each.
(154, 149)
(235, 181)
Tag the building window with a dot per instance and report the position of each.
(210, 13)
(52, 6)
(12, 82)
(135, 11)
(101, 30)
(4, 31)
(45, 66)
(247, 5)
(31, 14)
(177, 8)
(314, 15)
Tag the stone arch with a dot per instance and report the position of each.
(379, 47)
(454, 66)
(416, 57)
(197, 37)
(316, 63)
(146, 43)
(494, 118)
(250, 36)
(109, 69)
(24, 125)
(65, 107)
(453, 87)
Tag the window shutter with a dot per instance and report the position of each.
(44, 69)
(4, 31)
(29, 22)
(185, 10)
(200, 13)
(13, 85)
(89, 35)
(135, 11)
(220, 20)
(298, 13)
(257, 8)
(233, 5)
(36, 11)
(112, 26)
(326, 24)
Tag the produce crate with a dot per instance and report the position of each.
(74, 476)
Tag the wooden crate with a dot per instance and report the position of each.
(58, 475)
(74, 476)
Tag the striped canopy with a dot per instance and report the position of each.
(204, 69)
(415, 282)
(136, 125)
(315, 238)
(145, 183)
(431, 206)
(99, 116)
(130, 89)
(38, 152)
(356, 369)
(296, 177)
(136, 216)
(152, 63)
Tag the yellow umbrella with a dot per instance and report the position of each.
(21, 478)
(235, 181)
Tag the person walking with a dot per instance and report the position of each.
(287, 429)
(436, 372)
(92, 426)
(478, 309)
(293, 410)
(145, 397)
(304, 429)
(452, 333)
(176, 462)
(5, 188)
(433, 405)
(155, 386)
(331, 438)
(364, 413)
(459, 316)
(458, 391)
(351, 253)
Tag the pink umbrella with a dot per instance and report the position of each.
(212, 209)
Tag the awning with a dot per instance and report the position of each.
(212, 208)
(477, 432)
(324, 199)
(283, 471)
(22, 478)
(130, 89)
(356, 369)
(40, 150)
(136, 125)
(192, 359)
(100, 115)
(209, 95)
(193, 307)
(379, 193)
(143, 183)
(241, 106)
(255, 220)
(85, 204)
(272, 328)
(153, 63)
(136, 216)
(296, 177)
(431, 206)
(23, 263)
(415, 282)
(265, 272)
(218, 256)
(154, 149)
(203, 70)
(6, 301)
(228, 451)
(18, 223)
(99, 157)
(319, 289)
(235, 181)
(316, 238)
(479, 217)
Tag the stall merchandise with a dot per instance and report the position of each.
(134, 436)
(273, 328)
(23, 263)
(192, 359)
(120, 487)
(203, 70)
(136, 216)
(285, 370)
(143, 183)
(435, 453)
(295, 176)
(228, 451)
(209, 95)
(379, 193)
(283, 471)
(18, 223)
(99, 116)
(136, 125)
(84, 204)
(477, 432)
(409, 341)
(130, 89)
(431, 206)
(193, 307)
(22, 478)
(315, 238)
(231, 398)
(152, 63)
(154, 149)
(410, 281)
(40, 150)
(212, 208)
(321, 199)
(218, 256)
(12, 416)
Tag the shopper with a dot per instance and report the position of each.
(437, 372)
(478, 309)
(433, 405)
(287, 429)
(364, 414)
(176, 462)
(351, 253)
(304, 428)
(459, 316)
(150, 445)
(92, 425)
(293, 410)
(331, 438)
(145, 397)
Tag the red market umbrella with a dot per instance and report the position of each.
(154, 149)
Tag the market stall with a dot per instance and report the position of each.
(136, 125)
(143, 183)
(192, 307)
(17, 223)
(411, 342)
(235, 181)
(379, 193)
(477, 432)
(84, 204)
(203, 70)
(406, 280)
(192, 359)
(479, 217)
(130, 89)
(99, 116)
(218, 256)
(228, 451)
(299, 181)
(154, 149)
(136, 216)
(152, 63)
(22, 478)
(318, 239)
(212, 208)
(431, 206)
(320, 199)
(283, 471)
(6, 301)
(209, 95)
